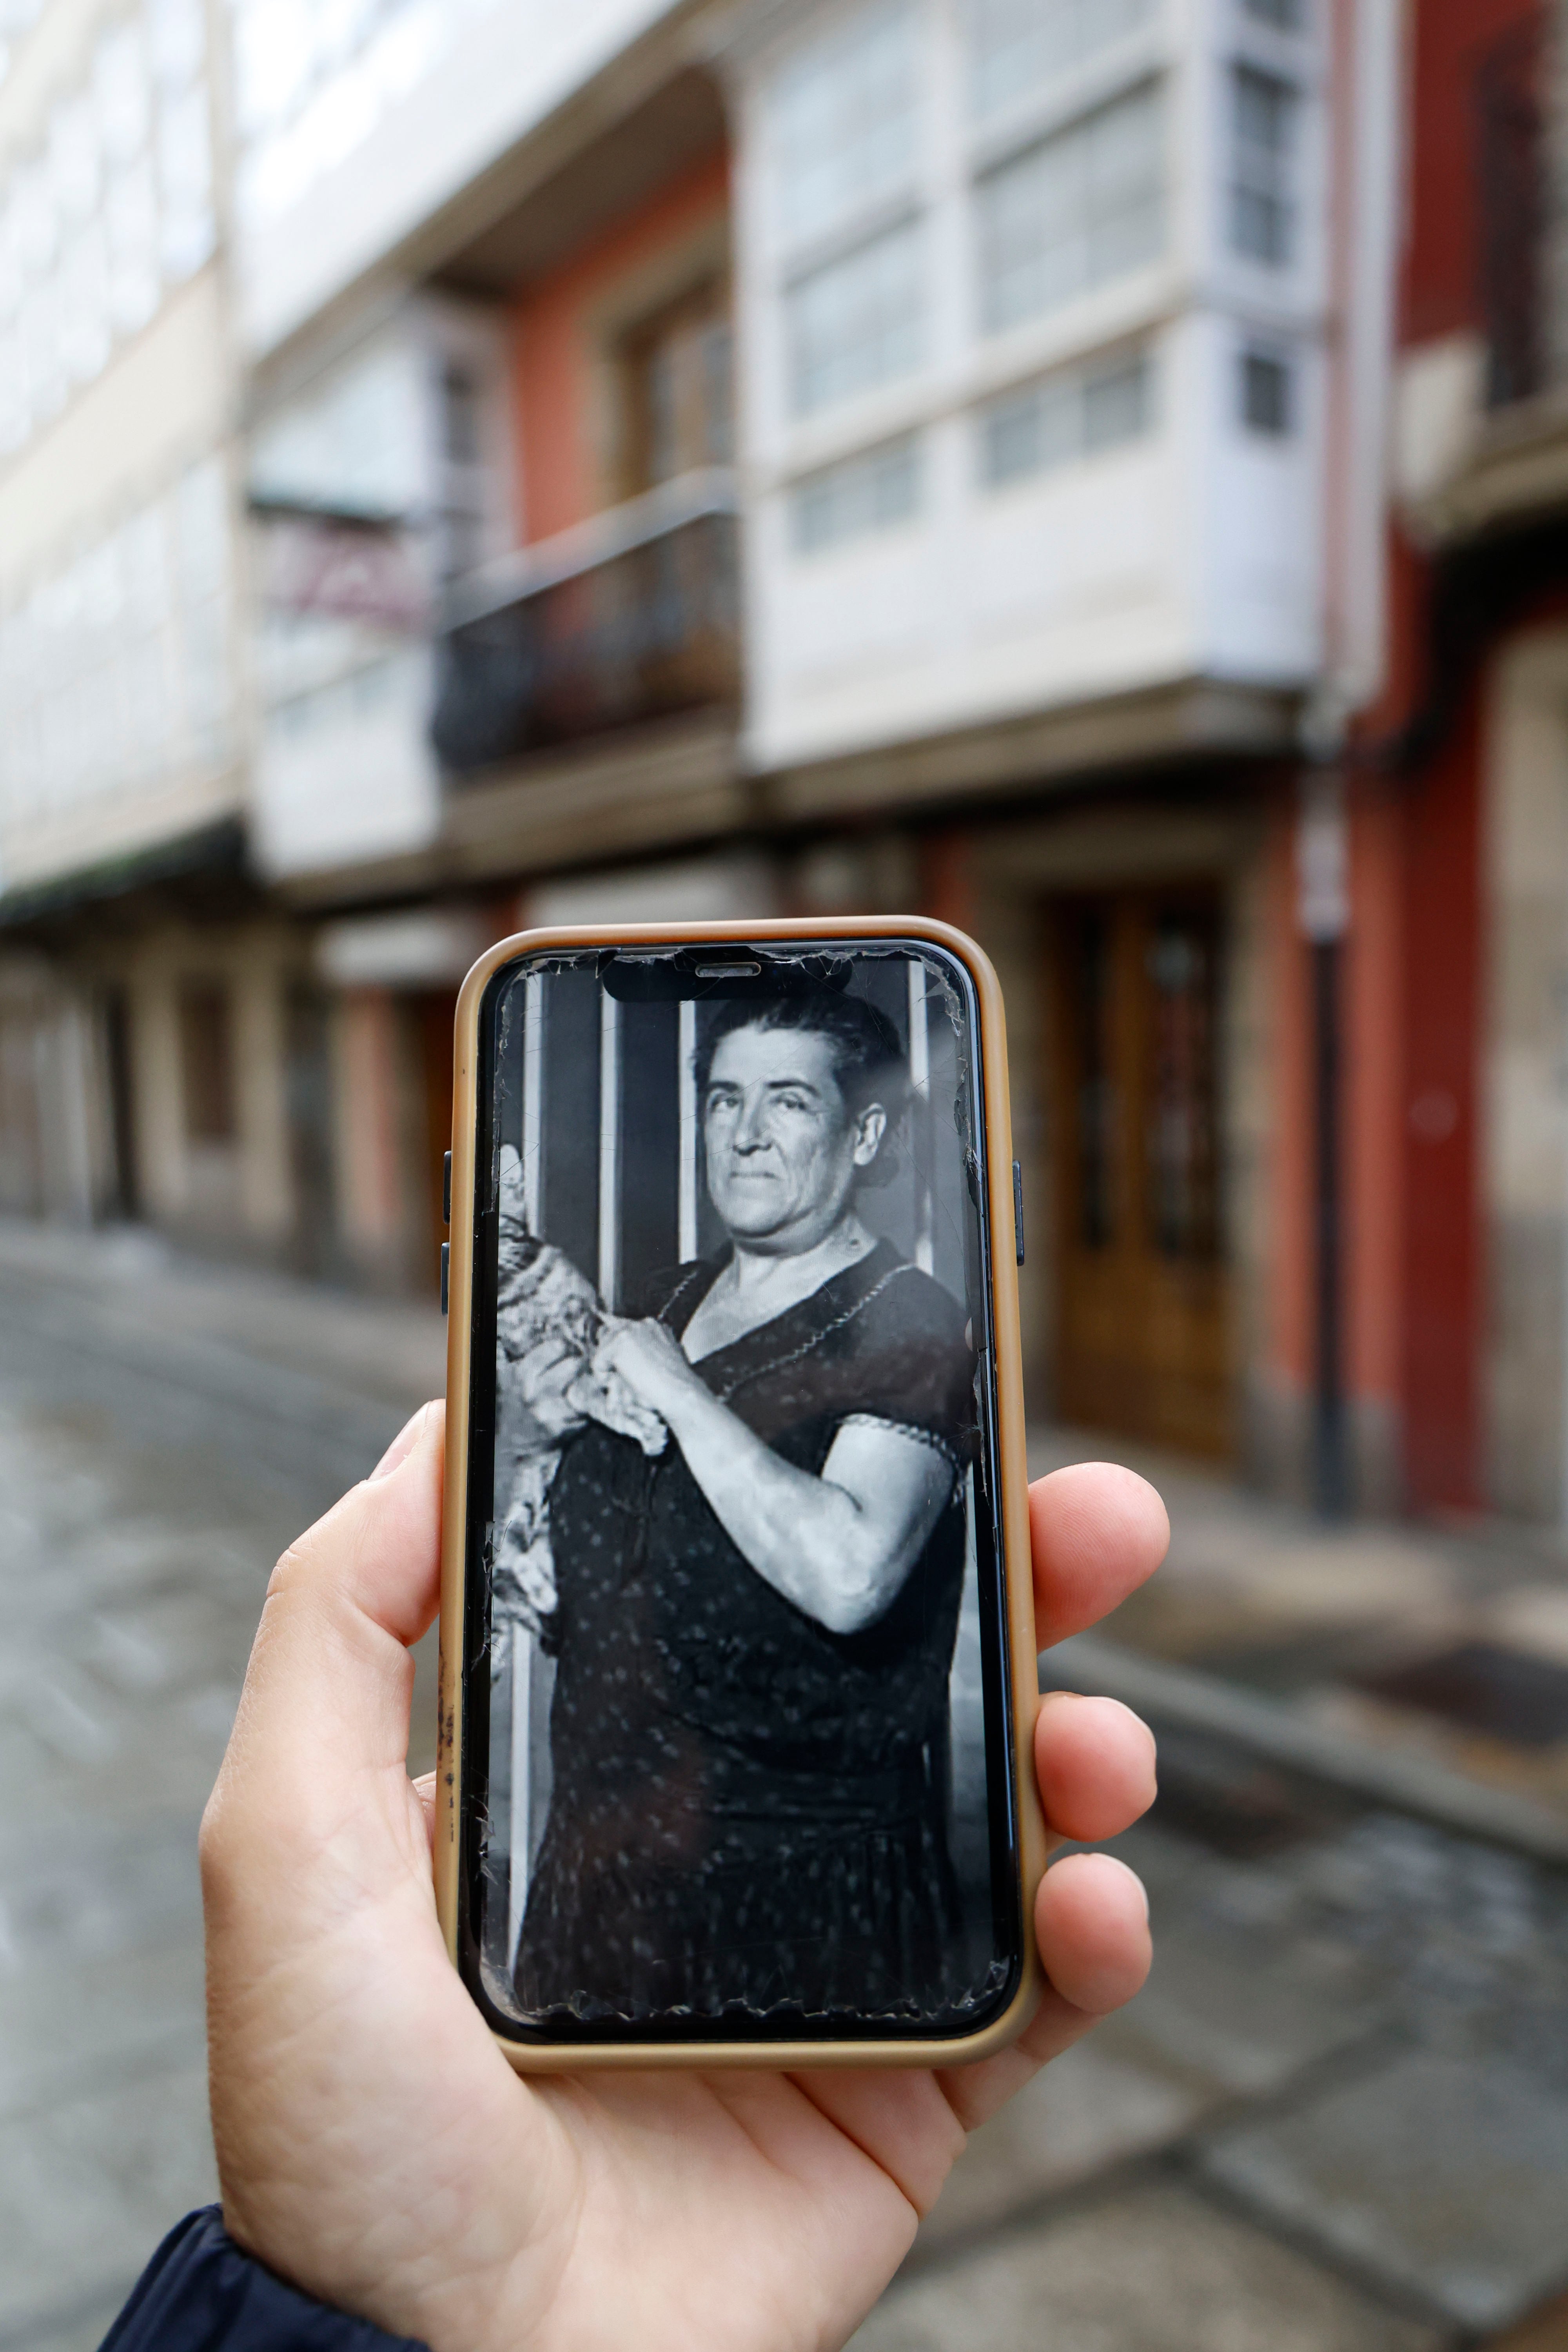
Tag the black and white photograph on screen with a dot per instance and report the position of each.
(737, 1751)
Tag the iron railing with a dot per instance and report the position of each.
(631, 616)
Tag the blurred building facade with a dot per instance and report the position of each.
(726, 460)
(1471, 727)
(137, 937)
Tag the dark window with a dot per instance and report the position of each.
(1264, 392)
(207, 1062)
(461, 404)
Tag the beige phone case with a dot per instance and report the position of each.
(532, 2056)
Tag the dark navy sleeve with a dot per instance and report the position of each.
(201, 2294)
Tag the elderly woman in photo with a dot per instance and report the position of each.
(754, 1624)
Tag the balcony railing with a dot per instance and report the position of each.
(1511, 163)
(630, 616)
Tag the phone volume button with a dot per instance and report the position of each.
(446, 1271)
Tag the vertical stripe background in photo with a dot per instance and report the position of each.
(609, 1149)
(920, 1120)
(686, 1081)
(534, 1102)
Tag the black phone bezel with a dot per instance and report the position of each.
(817, 965)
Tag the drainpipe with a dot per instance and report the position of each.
(1322, 916)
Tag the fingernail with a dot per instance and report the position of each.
(402, 1446)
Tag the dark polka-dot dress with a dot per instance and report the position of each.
(747, 1812)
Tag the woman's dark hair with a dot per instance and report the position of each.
(868, 1060)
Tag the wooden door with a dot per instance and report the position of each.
(1142, 1321)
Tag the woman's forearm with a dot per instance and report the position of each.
(810, 1540)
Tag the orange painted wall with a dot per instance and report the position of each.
(555, 353)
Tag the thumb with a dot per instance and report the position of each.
(327, 1691)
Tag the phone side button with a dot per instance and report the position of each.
(447, 1191)
(446, 1271)
(1018, 1209)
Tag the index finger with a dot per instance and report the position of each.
(1097, 1531)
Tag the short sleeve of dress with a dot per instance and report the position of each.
(912, 1369)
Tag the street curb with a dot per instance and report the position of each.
(1417, 1785)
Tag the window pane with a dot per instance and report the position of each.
(130, 223)
(1066, 417)
(1016, 45)
(1082, 207)
(73, 159)
(178, 40)
(1181, 1138)
(856, 324)
(120, 91)
(185, 174)
(842, 121)
(84, 308)
(1262, 209)
(1264, 392)
(865, 494)
(1099, 1105)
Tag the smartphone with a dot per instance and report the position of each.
(737, 1665)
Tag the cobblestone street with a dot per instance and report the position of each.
(1337, 2121)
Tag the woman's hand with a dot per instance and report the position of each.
(650, 1359)
(376, 2148)
(840, 1545)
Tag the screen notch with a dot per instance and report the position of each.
(714, 969)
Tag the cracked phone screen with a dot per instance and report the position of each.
(738, 1757)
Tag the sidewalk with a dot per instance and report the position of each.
(1441, 1649)
(379, 1351)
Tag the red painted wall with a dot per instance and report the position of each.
(1439, 275)
(1434, 849)
(1373, 1013)
(558, 351)
(1443, 1269)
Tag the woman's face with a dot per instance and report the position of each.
(782, 1146)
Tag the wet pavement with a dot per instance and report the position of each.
(1444, 1643)
(1336, 2121)
(1336, 2117)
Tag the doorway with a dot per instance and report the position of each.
(1143, 1341)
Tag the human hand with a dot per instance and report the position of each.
(650, 1359)
(373, 2145)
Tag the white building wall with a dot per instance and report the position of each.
(118, 686)
(355, 136)
(1189, 547)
